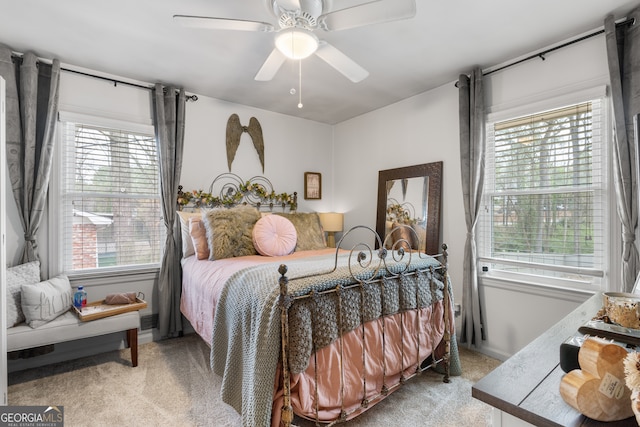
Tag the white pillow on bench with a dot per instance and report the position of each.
(44, 301)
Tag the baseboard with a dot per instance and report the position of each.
(496, 354)
(486, 350)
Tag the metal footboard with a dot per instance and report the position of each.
(364, 256)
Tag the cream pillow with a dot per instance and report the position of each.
(44, 301)
(274, 235)
(24, 274)
(187, 245)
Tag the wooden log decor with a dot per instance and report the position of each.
(598, 390)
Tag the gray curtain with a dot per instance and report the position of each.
(169, 113)
(623, 53)
(472, 152)
(31, 114)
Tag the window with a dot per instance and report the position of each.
(111, 214)
(544, 202)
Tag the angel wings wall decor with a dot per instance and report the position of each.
(234, 132)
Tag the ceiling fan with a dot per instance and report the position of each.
(298, 20)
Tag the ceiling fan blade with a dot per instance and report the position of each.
(374, 12)
(271, 66)
(341, 62)
(222, 23)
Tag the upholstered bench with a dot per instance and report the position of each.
(68, 327)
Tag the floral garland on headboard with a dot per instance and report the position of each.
(250, 192)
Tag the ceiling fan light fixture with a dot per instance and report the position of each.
(296, 43)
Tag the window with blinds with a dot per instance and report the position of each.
(111, 212)
(544, 199)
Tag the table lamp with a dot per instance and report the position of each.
(332, 222)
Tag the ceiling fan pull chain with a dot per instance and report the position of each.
(300, 84)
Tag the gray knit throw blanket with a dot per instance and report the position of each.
(246, 343)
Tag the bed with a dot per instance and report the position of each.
(322, 333)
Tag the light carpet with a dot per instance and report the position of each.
(173, 386)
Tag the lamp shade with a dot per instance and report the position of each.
(332, 221)
(296, 43)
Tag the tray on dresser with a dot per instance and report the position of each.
(98, 309)
(615, 332)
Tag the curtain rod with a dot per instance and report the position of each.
(116, 82)
(18, 56)
(630, 21)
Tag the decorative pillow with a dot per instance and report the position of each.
(24, 274)
(187, 245)
(44, 301)
(199, 238)
(229, 231)
(404, 232)
(388, 226)
(308, 229)
(274, 235)
(421, 231)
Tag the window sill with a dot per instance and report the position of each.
(103, 277)
(537, 287)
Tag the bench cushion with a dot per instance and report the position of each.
(68, 327)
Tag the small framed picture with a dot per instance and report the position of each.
(312, 185)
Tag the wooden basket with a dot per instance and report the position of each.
(98, 309)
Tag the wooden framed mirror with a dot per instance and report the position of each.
(412, 195)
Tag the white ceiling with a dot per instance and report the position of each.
(138, 39)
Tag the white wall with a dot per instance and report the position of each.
(425, 128)
(421, 129)
(292, 146)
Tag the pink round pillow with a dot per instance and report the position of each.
(274, 235)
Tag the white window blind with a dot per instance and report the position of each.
(111, 212)
(544, 196)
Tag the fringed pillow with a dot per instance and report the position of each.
(310, 235)
(230, 231)
(421, 231)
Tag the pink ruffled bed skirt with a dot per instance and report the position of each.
(337, 392)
